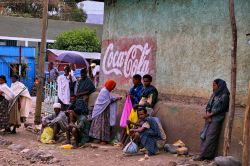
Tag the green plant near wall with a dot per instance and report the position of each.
(83, 40)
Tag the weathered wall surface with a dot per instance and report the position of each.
(193, 41)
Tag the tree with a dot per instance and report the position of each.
(62, 9)
(84, 40)
(229, 125)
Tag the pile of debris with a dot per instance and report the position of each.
(178, 148)
(34, 156)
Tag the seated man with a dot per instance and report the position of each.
(147, 131)
(57, 121)
(79, 128)
(149, 95)
(136, 91)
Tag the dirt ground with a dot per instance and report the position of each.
(89, 156)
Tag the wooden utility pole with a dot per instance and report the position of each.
(245, 153)
(229, 126)
(41, 63)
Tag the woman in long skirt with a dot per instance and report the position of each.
(215, 114)
(6, 95)
(104, 114)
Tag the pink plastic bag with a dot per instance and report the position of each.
(126, 112)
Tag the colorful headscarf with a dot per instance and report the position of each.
(110, 85)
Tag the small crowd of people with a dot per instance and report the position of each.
(15, 104)
(73, 116)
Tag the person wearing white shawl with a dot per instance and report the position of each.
(6, 95)
(104, 114)
(25, 99)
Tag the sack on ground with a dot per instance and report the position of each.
(170, 148)
(179, 144)
(47, 135)
(131, 148)
(182, 151)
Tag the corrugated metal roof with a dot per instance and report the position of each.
(31, 27)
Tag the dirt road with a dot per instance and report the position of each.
(89, 156)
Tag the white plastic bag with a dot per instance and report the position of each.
(130, 148)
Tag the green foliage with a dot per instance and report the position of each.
(83, 40)
(33, 8)
(73, 14)
(78, 15)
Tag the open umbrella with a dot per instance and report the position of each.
(72, 57)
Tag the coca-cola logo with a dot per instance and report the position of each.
(134, 60)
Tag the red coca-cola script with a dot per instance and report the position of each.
(123, 58)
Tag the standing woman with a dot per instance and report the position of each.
(215, 114)
(6, 95)
(104, 113)
(24, 99)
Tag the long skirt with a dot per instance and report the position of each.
(100, 127)
(4, 116)
(15, 116)
(209, 145)
(26, 104)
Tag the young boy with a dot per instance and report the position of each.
(79, 128)
(136, 91)
(147, 131)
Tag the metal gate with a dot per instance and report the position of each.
(50, 97)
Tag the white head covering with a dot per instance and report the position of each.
(56, 105)
(93, 65)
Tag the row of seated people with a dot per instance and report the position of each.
(98, 124)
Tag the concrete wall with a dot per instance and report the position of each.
(193, 40)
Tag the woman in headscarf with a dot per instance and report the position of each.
(215, 114)
(104, 113)
(6, 95)
(25, 99)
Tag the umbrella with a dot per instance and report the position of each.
(71, 57)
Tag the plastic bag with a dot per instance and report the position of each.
(133, 117)
(126, 112)
(130, 148)
(47, 135)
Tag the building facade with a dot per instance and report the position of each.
(184, 44)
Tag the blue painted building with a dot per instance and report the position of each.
(11, 57)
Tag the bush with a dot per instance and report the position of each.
(83, 40)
